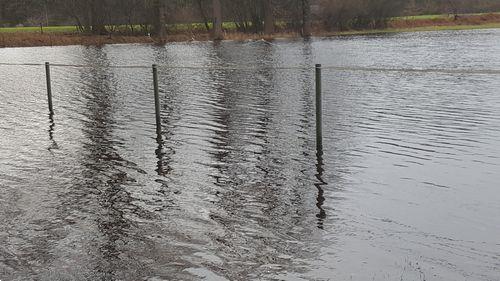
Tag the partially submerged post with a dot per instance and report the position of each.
(49, 87)
(319, 112)
(157, 101)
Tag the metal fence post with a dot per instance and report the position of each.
(157, 100)
(49, 87)
(319, 112)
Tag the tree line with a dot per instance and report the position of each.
(255, 16)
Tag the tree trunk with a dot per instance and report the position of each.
(306, 18)
(159, 19)
(95, 17)
(217, 20)
(203, 15)
(2, 10)
(268, 17)
(88, 19)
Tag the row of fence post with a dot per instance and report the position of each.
(319, 103)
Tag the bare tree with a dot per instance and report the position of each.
(97, 16)
(159, 28)
(217, 20)
(203, 13)
(268, 17)
(306, 18)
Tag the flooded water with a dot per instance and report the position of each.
(407, 188)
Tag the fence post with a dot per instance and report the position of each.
(319, 112)
(157, 101)
(49, 87)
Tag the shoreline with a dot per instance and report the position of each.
(32, 39)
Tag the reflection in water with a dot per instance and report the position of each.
(51, 133)
(258, 198)
(102, 162)
(319, 185)
(106, 179)
(159, 154)
(222, 116)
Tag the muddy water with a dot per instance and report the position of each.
(407, 188)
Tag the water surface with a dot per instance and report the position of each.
(407, 187)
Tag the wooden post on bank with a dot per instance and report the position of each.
(319, 112)
(49, 87)
(157, 101)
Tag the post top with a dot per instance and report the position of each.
(318, 65)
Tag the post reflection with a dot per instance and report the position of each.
(161, 168)
(53, 145)
(319, 185)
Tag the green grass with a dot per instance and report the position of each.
(51, 29)
(421, 17)
(179, 27)
(230, 26)
(417, 29)
(433, 17)
(198, 26)
(71, 29)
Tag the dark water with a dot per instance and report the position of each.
(408, 187)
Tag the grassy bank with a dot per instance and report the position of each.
(36, 29)
(68, 35)
(413, 29)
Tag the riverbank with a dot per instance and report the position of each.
(63, 36)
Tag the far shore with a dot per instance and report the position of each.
(29, 37)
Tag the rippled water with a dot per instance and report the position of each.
(407, 189)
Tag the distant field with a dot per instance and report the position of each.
(54, 29)
(437, 17)
(417, 29)
(440, 22)
(421, 17)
